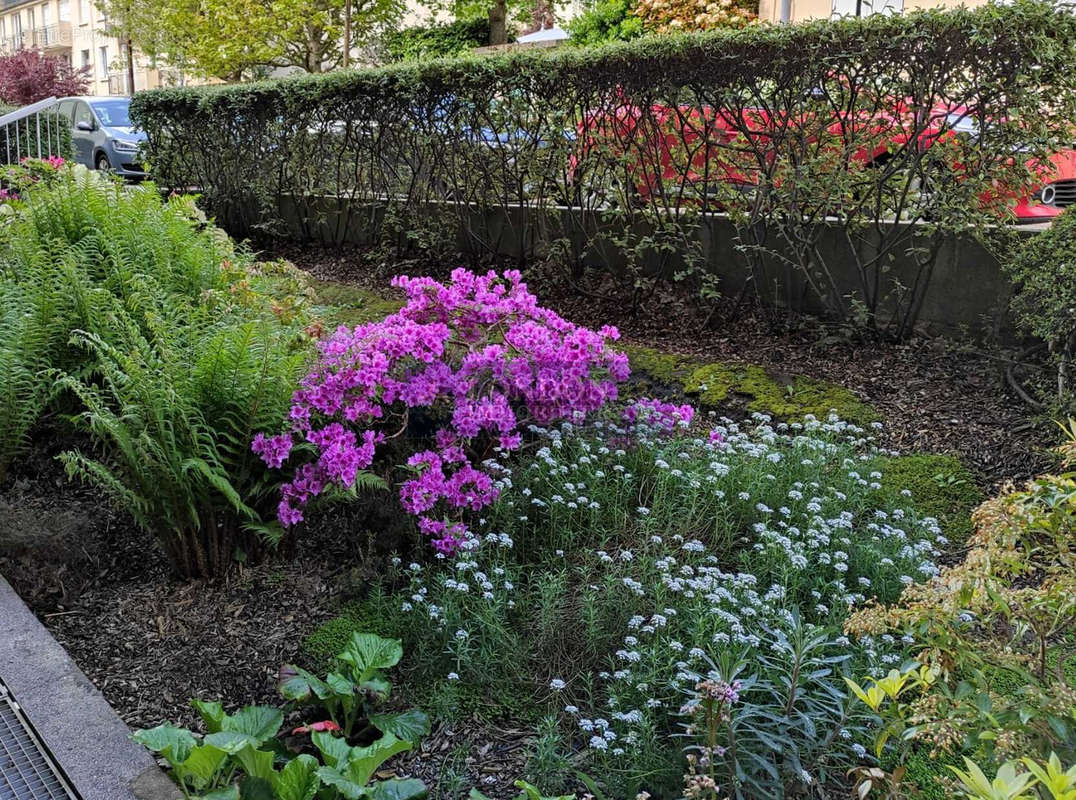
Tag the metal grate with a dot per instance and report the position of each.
(27, 772)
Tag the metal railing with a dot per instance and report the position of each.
(34, 131)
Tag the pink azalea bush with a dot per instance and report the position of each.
(480, 356)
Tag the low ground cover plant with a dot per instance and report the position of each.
(633, 572)
(241, 756)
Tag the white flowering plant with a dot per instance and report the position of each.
(620, 562)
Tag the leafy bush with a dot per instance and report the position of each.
(1044, 271)
(445, 40)
(238, 756)
(473, 363)
(165, 343)
(666, 16)
(618, 558)
(638, 138)
(29, 75)
(992, 630)
(606, 21)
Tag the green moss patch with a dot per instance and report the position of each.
(347, 304)
(724, 385)
(941, 486)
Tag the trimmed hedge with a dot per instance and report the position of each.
(663, 127)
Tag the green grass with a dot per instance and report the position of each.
(728, 386)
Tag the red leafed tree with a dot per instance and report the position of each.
(30, 75)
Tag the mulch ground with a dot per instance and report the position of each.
(151, 642)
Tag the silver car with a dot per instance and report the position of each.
(102, 134)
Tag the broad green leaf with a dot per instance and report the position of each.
(175, 744)
(364, 761)
(396, 789)
(410, 725)
(227, 793)
(299, 685)
(298, 780)
(256, 789)
(342, 783)
(338, 684)
(256, 763)
(259, 722)
(212, 714)
(378, 687)
(334, 750)
(368, 652)
(202, 765)
(231, 742)
(474, 794)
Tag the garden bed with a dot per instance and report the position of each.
(648, 489)
(151, 641)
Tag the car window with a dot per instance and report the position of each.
(65, 108)
(113, 113)
(83, 114)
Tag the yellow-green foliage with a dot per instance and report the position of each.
(720, 384)
(346, 304)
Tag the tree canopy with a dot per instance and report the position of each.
(234, 39)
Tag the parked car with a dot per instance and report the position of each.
(102, 134)
(698, 147)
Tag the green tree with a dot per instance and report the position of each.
(236, 39)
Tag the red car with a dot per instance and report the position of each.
(675, 149)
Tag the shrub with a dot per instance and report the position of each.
(1044, 271)
(989, 627)
(617, 559)
(165, 343)
(473, 362)
(28, 75)
(606, 21)
(637, 138)
(445, 40)
(666, 16)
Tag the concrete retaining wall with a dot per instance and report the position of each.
(965, 294)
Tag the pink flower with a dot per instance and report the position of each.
(324, 725)
(481, 348)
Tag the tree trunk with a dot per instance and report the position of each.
(130, 67)
(498, 19)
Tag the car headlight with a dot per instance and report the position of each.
(126, 147)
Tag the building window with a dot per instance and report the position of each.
(102, 62)
(30, 19)
(85, 58)
(84, 12)
(65, 10)
(46, 15)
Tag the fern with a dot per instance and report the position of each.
(160, 339)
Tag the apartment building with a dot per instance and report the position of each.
(800, 10)
(74, 29)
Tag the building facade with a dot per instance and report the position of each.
(75, 30)
(800, 10)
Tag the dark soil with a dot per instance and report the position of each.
(151, 641)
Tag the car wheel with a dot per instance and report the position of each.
(103, 164)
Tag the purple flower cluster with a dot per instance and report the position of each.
(479, 355)
(657, 414)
